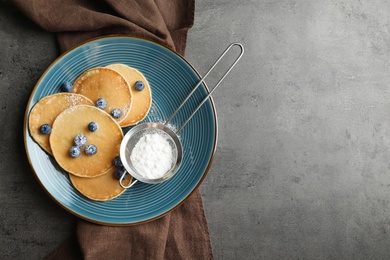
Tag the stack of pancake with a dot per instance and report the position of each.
(69, 115)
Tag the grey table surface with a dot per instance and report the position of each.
(302, 167)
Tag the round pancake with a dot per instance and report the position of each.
(108, 84)
(107, 139)
(102, 188)
(142, 100)
(46, 110)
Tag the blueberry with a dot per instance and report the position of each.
(139, 85)
(101, 103)
(45, 129)
(80, 140)
(116, 113)
(74, 151)
(117, 162)
(118, 174)
(93, 127)
(90, 149)
(66, 86)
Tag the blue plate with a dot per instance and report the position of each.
(171, 78)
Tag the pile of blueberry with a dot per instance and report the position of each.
(80, 142)
(119, 165)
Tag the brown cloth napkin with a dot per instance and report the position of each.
(183, 233)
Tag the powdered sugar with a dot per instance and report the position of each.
(152, 156)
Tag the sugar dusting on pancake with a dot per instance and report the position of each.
(142, 100)
(106, 83)
(46, 110)
(107, 139)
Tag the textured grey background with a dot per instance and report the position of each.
(302, 168)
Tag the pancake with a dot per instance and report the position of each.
(102, 188)
(107, 139)
(46, 110)
(108, 84)
(142, 100)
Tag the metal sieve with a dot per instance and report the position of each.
(133, 136)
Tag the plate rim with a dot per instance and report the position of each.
(26, 131)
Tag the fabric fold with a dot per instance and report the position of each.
(76, 21)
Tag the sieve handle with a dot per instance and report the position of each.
(202, 79)
(123, 177)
